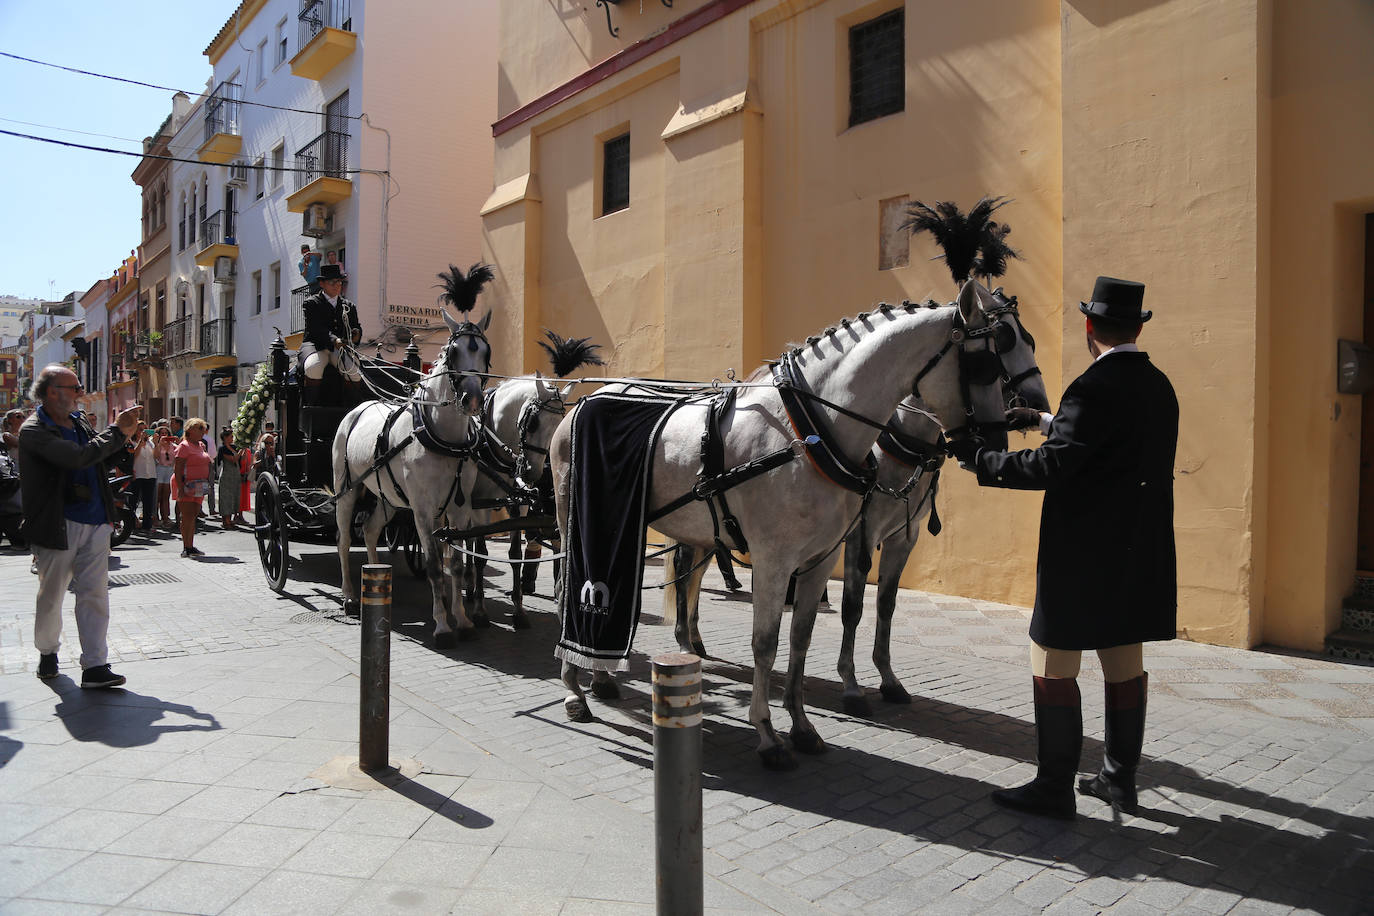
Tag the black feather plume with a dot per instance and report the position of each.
(994, 252)
(571, 353)
(961, 237)
(460, 290)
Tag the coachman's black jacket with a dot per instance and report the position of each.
(1107, 573)
(323, 321)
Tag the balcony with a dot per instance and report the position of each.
(217, 344)
(222, 138)
(321, 172)
(179, 337)
(144, 349)
(296, 330)
(217, 237)
(325, 37)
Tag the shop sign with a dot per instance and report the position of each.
(418, 317)
(221, 382)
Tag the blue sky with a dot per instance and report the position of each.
(70, 215)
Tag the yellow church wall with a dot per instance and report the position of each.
(1322, 87)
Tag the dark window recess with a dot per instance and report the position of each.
(877, 65)
(615, 175)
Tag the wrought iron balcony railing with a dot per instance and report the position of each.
(211, 226)
(298, 308)
(317, 15)
(217, 337)
(143, 348)
(179, 337)
(222, 110)
(325, 156)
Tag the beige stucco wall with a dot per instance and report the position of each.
(1202, 147)
(1323, 88)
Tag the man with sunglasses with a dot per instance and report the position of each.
(68, 511)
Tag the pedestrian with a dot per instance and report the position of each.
(245, 488)
(1106, 572)
(68, 515)
(309, 268)
(227, 461)
(11, 502)
(13, 420)
(164, 455)
(211, 495)
(191, 481)
(145, 477)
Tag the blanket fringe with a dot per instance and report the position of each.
(588, 663)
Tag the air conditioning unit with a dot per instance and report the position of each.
(317, 221)
(238, 174)
(224, 269)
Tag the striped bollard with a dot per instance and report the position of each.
(677, 783)
(374, 707)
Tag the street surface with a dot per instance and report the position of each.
(192, 790)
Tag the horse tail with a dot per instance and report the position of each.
(670, 580)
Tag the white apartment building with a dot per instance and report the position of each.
(358, 129)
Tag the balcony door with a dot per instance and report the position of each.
(335, 136)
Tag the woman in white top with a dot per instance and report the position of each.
(164, 456)
(145, 477)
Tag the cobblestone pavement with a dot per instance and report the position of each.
(1256, 780)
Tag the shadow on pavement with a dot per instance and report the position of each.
(122, 718)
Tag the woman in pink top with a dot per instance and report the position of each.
(191, 481)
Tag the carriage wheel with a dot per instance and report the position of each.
(273, 544)
(402, 538)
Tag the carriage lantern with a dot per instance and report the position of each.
(412, 360)
(279, 361)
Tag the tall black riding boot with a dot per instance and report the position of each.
(1115, 784)
(310, 393)
(1059, 739)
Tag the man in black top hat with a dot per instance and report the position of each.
(1106, 573)
(331, 324)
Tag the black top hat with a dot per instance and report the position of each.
(332, 272)
(1119, 300)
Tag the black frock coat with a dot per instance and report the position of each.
(1106, 573)
(323, 320)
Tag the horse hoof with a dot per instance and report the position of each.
(807, 742)
(605, 690)
(352, 608)
(857, 706)
(778, 758)
(699, 649)
(481, 620)
(521, 622)
(466, 634)
(895, 693)
(444, 640)
(577, 710)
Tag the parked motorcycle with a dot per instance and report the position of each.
(126, 514)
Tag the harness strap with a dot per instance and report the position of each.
(386, 452)
(832, 463)
(733, 477)
(909, 451)
(431, 440)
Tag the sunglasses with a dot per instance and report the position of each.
(77, 387)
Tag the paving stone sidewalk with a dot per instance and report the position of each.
(191, 791)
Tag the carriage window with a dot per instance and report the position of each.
(877, 68)
(615, 174)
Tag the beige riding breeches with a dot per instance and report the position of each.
(1119, 663)
(317, 360)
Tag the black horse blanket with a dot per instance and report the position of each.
(613, 437)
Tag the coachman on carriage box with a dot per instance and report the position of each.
(1106, 574)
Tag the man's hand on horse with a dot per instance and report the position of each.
(964, 450)
(127, 421)
(357, 336)
(1023, 418)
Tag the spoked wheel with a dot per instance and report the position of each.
(123, 527)
(273, 544)
(402, 538)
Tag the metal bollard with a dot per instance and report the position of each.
(677, 783)
(374, 707)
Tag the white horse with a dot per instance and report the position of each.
(852, 376)
(429, 469)
(520, 418)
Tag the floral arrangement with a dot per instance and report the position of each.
(254, 406)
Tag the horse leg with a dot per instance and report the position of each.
(769, 589)
(529, 573)
(889, 573)
(372, 531)
(810, 587)
(519, 620)
(575, 704)
(851, 612)
(439, 585)
(474, 574)
(343, 520)
(682, 596)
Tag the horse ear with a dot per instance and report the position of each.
(567, 391)
(970, 302)
(541, 390)
(448, 320)
(485, 322)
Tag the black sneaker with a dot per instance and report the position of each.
(101, 676)
(47, 666)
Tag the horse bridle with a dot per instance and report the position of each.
(528, 422)
(982, 366)
(474, 334)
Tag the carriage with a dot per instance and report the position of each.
(293, 495)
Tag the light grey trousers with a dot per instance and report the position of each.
(85, 564)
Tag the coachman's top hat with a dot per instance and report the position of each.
(1119, 300)
(332, 272)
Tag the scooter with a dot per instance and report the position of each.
(126, 515)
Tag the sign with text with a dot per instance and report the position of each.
(221, 382)
(419, 317)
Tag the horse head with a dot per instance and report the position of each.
(536, 430)
(1022, 382)
(466, 359)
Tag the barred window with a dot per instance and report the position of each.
(615, 174)
(877, 65)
